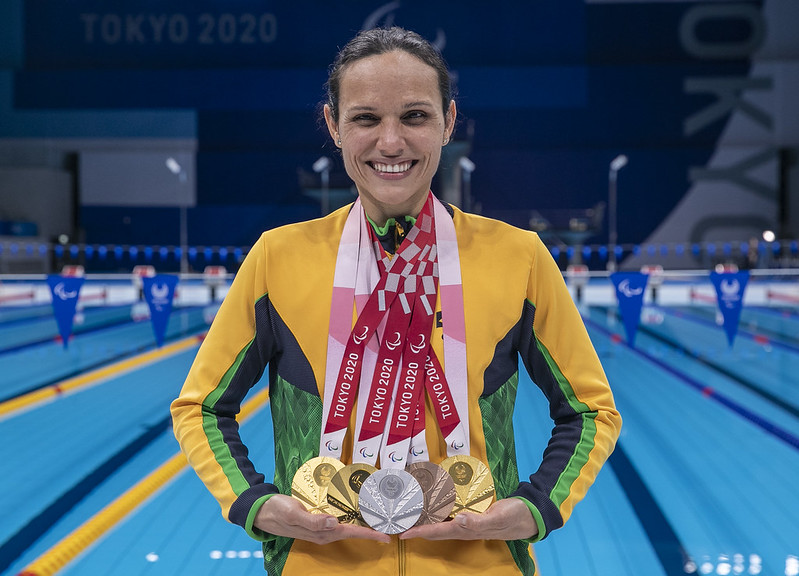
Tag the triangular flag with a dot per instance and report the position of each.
(630, 287)
(159, 291)
(65, 291)
(730, 288)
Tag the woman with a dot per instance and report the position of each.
(299, 304)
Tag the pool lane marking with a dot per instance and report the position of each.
(661, 534)
(707, 391)
(37, 397)
(703, 359)
(71, 546)
(63, 503)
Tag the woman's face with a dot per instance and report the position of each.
(391, 129)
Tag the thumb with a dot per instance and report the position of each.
(467, 521)
(321, 522)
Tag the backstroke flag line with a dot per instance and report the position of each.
(65, 291)
(730, 288)
(630, 288)
(159, 292)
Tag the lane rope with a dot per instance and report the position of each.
(71, 546)
(37, 397)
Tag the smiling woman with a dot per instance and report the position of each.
(445, 304)
(390, 129)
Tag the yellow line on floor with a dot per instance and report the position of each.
(65, 551)
(32, 399)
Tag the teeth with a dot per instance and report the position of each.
(392, 167)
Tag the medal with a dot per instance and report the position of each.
(474, 486)
(391, 501)
(438, 489)
(311, 480)
(343, 490)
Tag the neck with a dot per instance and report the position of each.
(379, 214)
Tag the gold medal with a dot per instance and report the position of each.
(343, 491)
(474, 486)
(311, 481)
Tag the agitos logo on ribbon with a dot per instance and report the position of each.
(65, 291)
(730, 288)
(159, 291)
(630, 288)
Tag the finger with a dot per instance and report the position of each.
(457, 529)
(353, 531)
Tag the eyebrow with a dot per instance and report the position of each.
(365, 108)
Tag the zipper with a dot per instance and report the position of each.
(401, 557)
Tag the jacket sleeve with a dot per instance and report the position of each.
(231, 360)
(561, 360)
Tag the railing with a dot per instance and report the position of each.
(23, 256)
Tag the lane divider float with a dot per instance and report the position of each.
(70, 547)
(37, 397)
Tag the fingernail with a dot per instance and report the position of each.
(330, 523)
(461, 520)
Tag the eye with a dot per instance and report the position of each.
(365, 119)
(415, 117)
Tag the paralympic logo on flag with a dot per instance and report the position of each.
(159, 291)
(630, 288)
(65, 291)
(730, 288)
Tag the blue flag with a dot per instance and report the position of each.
(730, 288)
(65, 291)
(159, 291)
(630, 288)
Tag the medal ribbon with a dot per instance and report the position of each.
(443, 403)
(406, 308)
(411, 383)
(381, 391)
(351, 358)
(340, 396)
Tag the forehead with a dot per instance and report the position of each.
(388, 77)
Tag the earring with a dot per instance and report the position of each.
(338, 141)
(446, 140)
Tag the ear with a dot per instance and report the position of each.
(452, 113)
(331, 124)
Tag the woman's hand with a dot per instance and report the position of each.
(285, 516)
(508, 519)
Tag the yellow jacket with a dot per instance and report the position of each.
(516, 305)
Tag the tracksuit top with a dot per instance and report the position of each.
(276, 315)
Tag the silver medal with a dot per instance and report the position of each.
(391, 501)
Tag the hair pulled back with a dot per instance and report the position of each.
(380, 41)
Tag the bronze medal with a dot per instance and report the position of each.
(311, 480)
(438, 489)
(474, 486)
(343, 492)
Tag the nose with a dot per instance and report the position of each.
(390, 140)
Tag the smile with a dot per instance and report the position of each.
(391, 168)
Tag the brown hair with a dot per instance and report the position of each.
(380, 41)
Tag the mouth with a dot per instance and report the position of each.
(398, 168)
